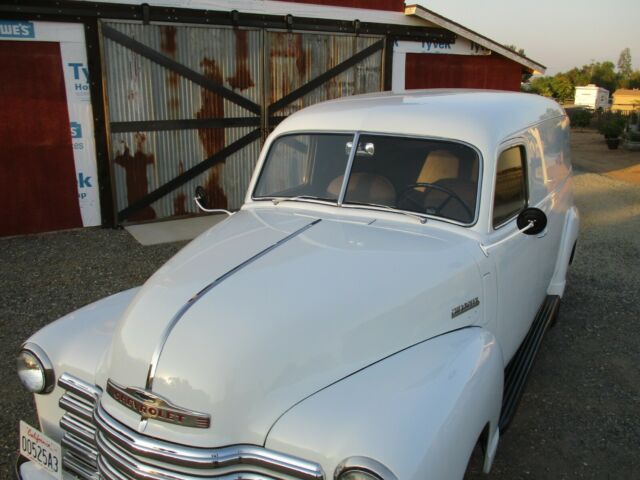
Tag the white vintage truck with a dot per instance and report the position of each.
(371, 312)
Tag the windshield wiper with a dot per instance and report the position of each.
(422, 219)
(277, 200)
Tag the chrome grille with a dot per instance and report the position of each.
(98, 447)
(79, 450)
(125, 453)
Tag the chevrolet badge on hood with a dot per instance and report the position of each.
(154, 407)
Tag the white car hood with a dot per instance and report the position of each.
(315, 308)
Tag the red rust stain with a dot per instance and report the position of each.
(168, 40)
(169, 47)
(242, 77)
(135, 167)
(180, 200)
(289, 65)
(172, 79)
(289, 45)
(173, 104)
(301, 57)
(212, 139)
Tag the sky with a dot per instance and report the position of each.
(560, 34)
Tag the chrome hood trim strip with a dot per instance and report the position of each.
(176, 318)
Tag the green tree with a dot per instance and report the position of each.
(580, 77)
(562, 87)
(604, 75)
(624, 64)
(519, 51)
(634, 80)
(542, 86)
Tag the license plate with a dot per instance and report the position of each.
(39, 448)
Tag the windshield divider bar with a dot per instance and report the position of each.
(347, 171)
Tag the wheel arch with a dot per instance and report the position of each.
(418, 412)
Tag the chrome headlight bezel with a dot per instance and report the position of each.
(365, 465)
(32, 357)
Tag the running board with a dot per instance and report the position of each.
(517, 372)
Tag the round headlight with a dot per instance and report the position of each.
(35, 369)
(362, 468)
(357, 475)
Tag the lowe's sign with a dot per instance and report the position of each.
(16, 29)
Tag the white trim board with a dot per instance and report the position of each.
(432, 17)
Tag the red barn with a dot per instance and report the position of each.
(137, 102)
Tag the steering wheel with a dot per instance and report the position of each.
(407, 195)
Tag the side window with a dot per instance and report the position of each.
(511, 185)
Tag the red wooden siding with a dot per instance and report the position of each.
(390, 5)
(38, 190)
(461, 71)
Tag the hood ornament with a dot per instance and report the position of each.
(154, 407)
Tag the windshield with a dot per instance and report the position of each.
(429, 177)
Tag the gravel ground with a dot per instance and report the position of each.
(46, 276)
(580, 414)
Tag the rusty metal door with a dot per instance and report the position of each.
(191, 105)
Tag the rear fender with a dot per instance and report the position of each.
(569, 238)
(419, 412)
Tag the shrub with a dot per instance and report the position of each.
(579, 117)
(611, 125)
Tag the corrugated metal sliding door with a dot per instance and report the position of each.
(189, 105)
(184, 110)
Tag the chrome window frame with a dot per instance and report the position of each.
(517, 142)
(356, 135)
(289, 134)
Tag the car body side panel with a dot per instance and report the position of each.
(525, 264)
(419, 412)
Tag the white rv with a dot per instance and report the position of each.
(592, 96)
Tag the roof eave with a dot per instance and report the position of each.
(432, 17)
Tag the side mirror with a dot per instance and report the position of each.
(533, 216)
(201, 197)
(202, 201)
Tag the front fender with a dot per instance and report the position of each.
(419, 412)
(77, 344)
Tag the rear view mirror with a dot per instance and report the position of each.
(534, 217)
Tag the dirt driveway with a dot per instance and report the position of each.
(580, 415)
